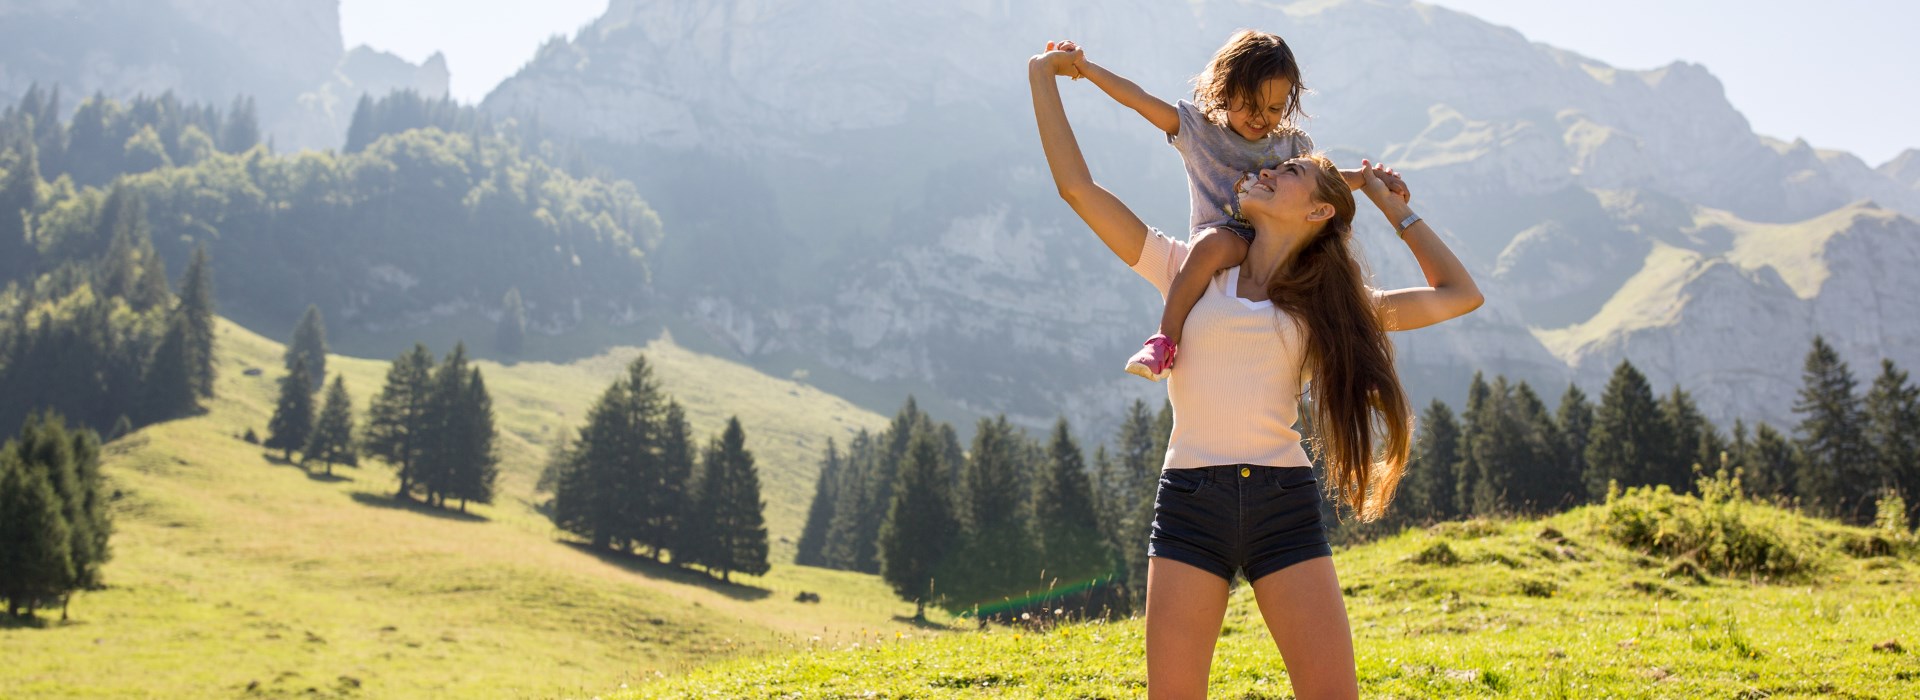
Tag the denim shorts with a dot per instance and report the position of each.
(1238, 517)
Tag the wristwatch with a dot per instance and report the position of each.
(1400, 229)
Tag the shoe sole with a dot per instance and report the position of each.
(1140, 370)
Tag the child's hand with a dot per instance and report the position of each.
(1064, 58)
(1395, 185)
(1379, 181)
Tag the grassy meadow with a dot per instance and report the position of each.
(237, 574)
(1553, 608)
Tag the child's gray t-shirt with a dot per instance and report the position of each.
(1217, 159)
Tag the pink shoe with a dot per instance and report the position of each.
(1154, 360)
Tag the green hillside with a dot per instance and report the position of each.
(236, 574)
(1545, 608)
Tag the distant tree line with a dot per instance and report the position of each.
(105, 138)
(454, 212)
(96, 332)
(964, 528)
(1507, 454)
(1011, 519)
(629, 480)
(54, 523)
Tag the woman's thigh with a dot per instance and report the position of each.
(1308, 621)
(1185, 605)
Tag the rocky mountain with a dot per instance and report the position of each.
(288, 55)
(857, 190)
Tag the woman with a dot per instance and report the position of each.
(1237, 491)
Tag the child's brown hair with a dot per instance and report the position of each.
(1235, 73)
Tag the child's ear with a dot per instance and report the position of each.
(1322, 212)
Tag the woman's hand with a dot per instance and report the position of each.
(1061, 58)
(1384, 186)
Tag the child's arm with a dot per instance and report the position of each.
(1162, 115)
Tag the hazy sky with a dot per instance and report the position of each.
(1837, 72)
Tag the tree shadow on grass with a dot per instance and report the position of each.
(280, 461)
(378, 500)
(920, 623)
(657, 570)
(39, 621)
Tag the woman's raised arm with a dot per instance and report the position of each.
(1118, 227)
(1450, 293)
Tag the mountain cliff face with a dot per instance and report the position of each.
(288, 55)
(863, 182)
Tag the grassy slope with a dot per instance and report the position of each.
(231, 569)
(1517, 614)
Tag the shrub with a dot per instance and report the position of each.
(1719, 530)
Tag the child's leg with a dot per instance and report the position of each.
(1215, 249)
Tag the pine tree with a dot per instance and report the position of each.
(671, 497)
(1893, 432)
(1629, 439)
(242, 130)
(1496, 443)
(447, 439)
(332, 439)
(69, 461)
(1573, 422)
(1833, 476)
(617, 461)
(1536, 483)
(397, 419)
(1069, 532)
(361, 130)
(89, 508)
(734, 512)
(1771, 461)
(920, 526)
(310, 342)
(1429, 491)
(880, 482)
(996, 556)
(588, 498)
(292, 420)
(841, 549)
(130, 268)
(167, 389)
(474, 464)
(811, 549)
(511, 335)
(1138, 459)
(36, 564)
(19, 199)
(1472, 423)
(196, 305)
(1693, 441)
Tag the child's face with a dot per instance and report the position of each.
(1254, 122)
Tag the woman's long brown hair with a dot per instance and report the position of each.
(1356, 395)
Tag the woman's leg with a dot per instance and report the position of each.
(1185, 605)
(1308, 621)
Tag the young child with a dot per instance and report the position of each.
(1241, 121)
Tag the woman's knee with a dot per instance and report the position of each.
(1219, 246)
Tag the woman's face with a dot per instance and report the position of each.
(1283, 193)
